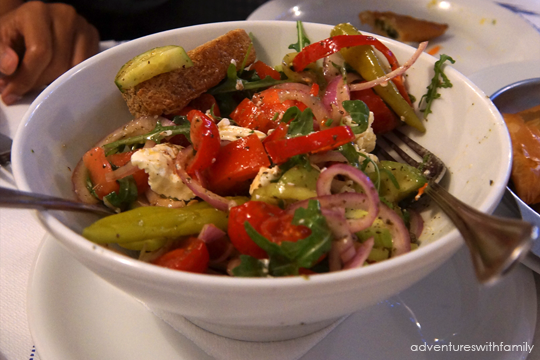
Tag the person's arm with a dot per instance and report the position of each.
(38, 43)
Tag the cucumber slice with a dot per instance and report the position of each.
(151, 63)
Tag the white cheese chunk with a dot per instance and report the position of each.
(158, 163)
(230, 132)
(264, 177)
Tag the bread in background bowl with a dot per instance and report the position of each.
(465, 130)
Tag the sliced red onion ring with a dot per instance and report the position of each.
(369, 198)
(293, 86)
(211, 198)
(362, 253)
(313, 102)
(336, 92)
(135, 127)
(383, 80)
(335, 218)
(328, 67)
(211, 233)
(400, 235)
(122, 172)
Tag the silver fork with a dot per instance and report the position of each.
(496, 244)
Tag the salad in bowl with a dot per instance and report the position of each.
(254, 188)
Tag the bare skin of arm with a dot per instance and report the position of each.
(38, 43)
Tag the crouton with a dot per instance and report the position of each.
(168, 93)
(402, 27)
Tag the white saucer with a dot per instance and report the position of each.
(480, 34)
(491, 79)
(73, 314)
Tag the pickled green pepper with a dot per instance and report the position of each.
(364, 60)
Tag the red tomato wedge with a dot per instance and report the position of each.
(264, 70)
(237, 163)
(269, 220)
(192, 257)
(98, 166)
(280, 228)
(262, 112)
(140, 177)
(384, 119)
(205, 137)
(254, 212)
(324, 140)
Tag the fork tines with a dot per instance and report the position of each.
(431, 165)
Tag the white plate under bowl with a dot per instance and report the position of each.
(73, 314)
(481, 33)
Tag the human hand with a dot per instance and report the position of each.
(38, 43)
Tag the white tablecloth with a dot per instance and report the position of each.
(20, 235)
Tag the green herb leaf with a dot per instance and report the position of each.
(127, 194)
(303, 41)
(359, 113)
(302, 124)
(232, 81)
(439, 80)
(291, 114)
(251, 267)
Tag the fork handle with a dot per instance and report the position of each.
(496, 244)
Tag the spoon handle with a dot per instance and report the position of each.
(19, 199)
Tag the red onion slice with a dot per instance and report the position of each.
(329, 69)
(313, 102)
(383, 80)
(371, 200)
(211, 198)
(293, 87)
(211, 233)
(400, 234)
(122, 172)
(362, 253)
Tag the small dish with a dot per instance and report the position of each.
(514, 98)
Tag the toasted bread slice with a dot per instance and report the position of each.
(168, 93)
(402, 27)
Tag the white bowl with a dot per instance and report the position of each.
(465, 131)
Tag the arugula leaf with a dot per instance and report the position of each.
(180, 120)
(303, 41)
(439, 80)
(290, 114)
(159, 133)
(302, 124)
(286, 259)
(359, 113)
(126, 195)
(251, 267)
(353, 157)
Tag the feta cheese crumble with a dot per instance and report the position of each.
(158, 163)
